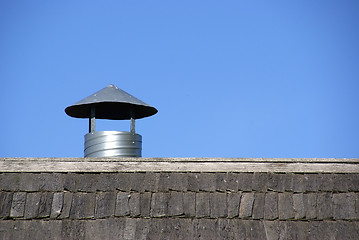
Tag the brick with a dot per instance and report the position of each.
(70, 182)
(346, 230)
(122, 182)
(116, 227)
(6, 229)
(137, 181)
(134, 203)
(105, 204)
(244, 229)
(344, 206)
(310, 205)
(204, 228)
(207, 182)
(202, 205)
(145, 203)
(57, 203)
(75, 182)
(48, 230)
(302, 228)
(192, 181)
(97, 229)
(32, 205)
(18, 204)
(175, 204)
(288, 230)
(104, 181)
(283, 230)
(258, 206)
(321, 230)
(246, 205)
(328, 230)
(272, 181)
(221, 182)
(298, 183)
(271, 229)
(259, 181)
(73, 229)
(45, 204)
(232, 182)
(288, 182)
(340, 183)
(356, 217)
(165, 228)
(175, 229)
(233, 200)
(20, 227)
(5, 204)
(164, 182)
(20, 233)
(159, 204)
(156, 228)
(151, 181)
(245, 181)
(240, 229)
(353, 184)
(66, 206)
(29, 182)
(178, 182)
(130, 228)
(285, 206)
(271, 206)
(185, 228)
(223, 229)
(51, 182)
(10, 181)
(229, 229)
(325, 182)
(324, 206)
(88, 182)
(189, 204)
(311, 182)
(142, 228)
(218, 205)
(35, 229)
(257, 230)
(281, 182)
(83, 206)
(298, 206)
(122, 205)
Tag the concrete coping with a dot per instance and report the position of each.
(135, 159)
(277, 165)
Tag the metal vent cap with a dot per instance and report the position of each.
(111, 103)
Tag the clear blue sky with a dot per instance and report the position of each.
(229, 78)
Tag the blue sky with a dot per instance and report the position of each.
(229, 78)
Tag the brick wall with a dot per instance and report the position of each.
(179, 205)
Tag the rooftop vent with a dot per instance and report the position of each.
(114, 104)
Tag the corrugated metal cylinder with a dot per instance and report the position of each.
(113, 144)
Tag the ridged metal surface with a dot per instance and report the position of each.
(113, 144)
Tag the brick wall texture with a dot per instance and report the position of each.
(150, 205)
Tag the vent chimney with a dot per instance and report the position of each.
(114, 104)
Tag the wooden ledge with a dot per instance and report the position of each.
(277, 165)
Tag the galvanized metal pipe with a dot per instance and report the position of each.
(113, 144)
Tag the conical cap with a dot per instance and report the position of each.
(111, 103)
